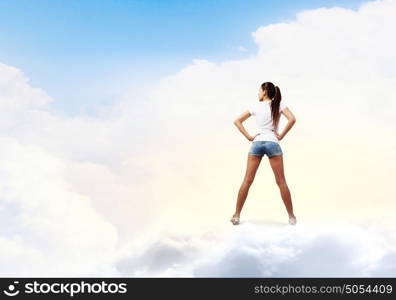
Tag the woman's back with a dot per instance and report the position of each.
(261, 110)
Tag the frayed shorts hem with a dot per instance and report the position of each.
(261, 155)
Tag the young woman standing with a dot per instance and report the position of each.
(267, 111)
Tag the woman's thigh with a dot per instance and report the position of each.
(253, 162)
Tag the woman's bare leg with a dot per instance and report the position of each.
(253, 161)
(276, 163)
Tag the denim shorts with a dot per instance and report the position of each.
(265, 147)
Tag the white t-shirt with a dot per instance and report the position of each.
(261, 110)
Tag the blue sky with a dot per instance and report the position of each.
(84, 53)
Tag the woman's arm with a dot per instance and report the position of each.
(291, 120)
(238, 123)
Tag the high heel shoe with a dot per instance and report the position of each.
(292, 221)
(235, 220)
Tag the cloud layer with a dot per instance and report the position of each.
(339, 249)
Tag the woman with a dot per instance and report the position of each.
(267, 113)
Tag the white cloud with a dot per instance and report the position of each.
(172, 157)
(256, 250)
(45, 227)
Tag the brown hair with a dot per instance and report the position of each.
(274, 93)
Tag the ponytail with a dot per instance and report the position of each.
(275, 107)
(274, 93)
